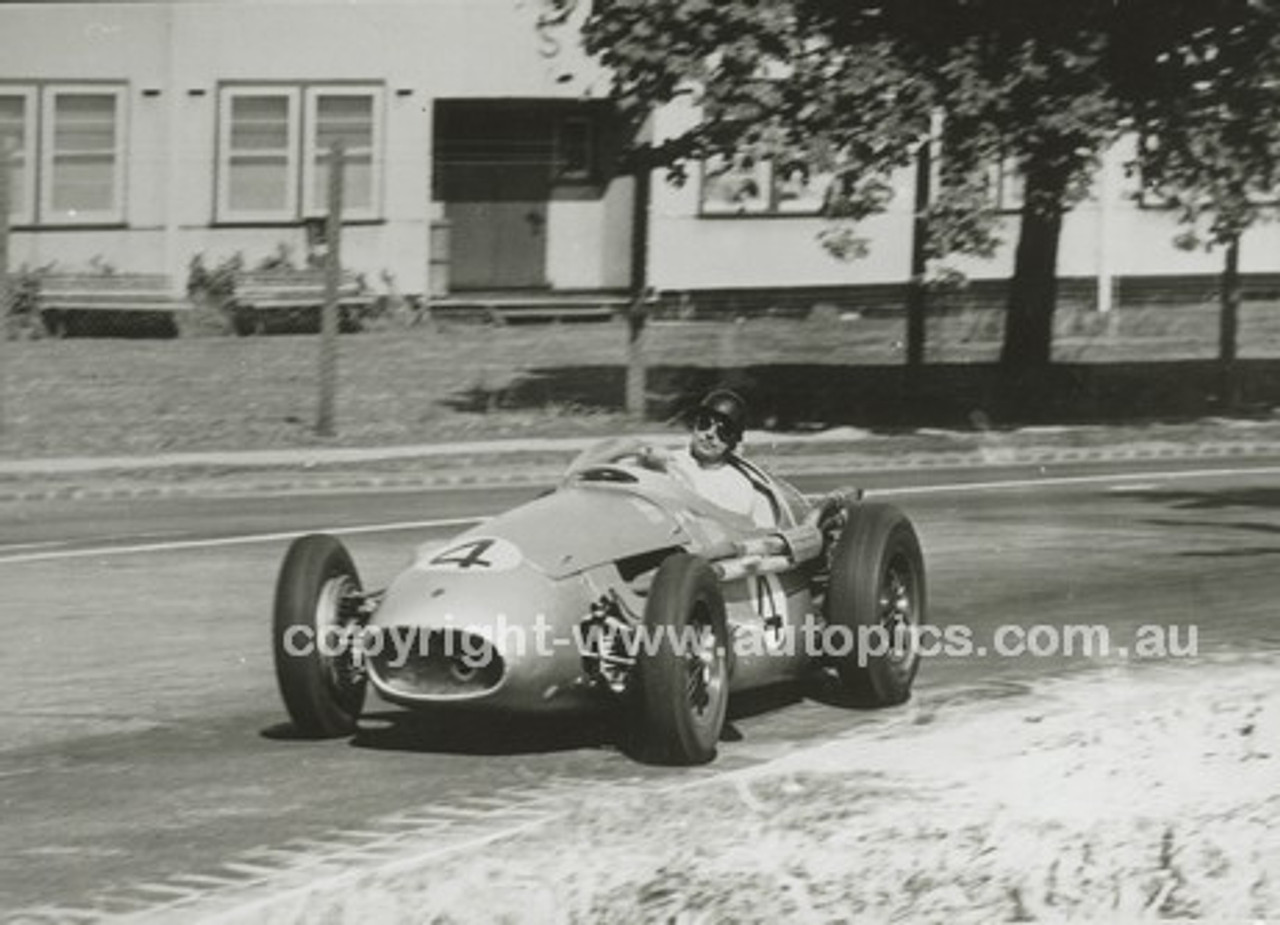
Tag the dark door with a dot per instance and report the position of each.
(493, 172)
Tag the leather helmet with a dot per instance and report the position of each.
(729, 407)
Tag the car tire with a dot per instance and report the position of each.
(324, 694)
(877, 580)
(683, 677)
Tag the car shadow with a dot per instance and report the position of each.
(454, 733)
(825, 687)
(763, 700)
(285, 732)
(446, 732)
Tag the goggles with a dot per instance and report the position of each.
(707, 421)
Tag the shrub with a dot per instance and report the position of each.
(24, 289)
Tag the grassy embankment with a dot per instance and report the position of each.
(447, 382)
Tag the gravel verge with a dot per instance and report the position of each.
(1098, 797)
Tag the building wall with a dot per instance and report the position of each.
(1108, 233)
(174, 56)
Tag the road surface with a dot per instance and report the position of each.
(144, 753)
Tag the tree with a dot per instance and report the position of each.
(1210, 145)
(853, 87)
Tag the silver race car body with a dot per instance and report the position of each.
(621, 589)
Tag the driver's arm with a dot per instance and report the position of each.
(620, 448)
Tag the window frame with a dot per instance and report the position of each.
(33, 206)
(24, 213)
(311, 122)
(301, 169)
(48, 215)
(758, 172)
(224, 213)
(771, 178)
(589, 170)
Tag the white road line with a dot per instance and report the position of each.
(244, 540)
(1125, 478)
(9, 547)
(1120, 479)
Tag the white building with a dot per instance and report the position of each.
(147, 133)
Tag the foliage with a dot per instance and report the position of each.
(280, 259)
(1211, 134)
(23, 295)
(102, 266)
(855, 86)
(216, 283)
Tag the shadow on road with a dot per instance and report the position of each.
(284, 732)
(475, 735)
(1239, 552)
(825, 688)
(1260, 499)
(1209, 499)
(453, 733)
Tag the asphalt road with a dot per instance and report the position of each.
(143, 744)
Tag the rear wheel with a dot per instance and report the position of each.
(313, 637)
(877, 592)
(683, 666)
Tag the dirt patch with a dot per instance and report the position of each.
(1120, 796)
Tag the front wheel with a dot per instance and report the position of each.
(877, 593)
(683, 665)
(322, 684)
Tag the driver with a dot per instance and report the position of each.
(708, 464)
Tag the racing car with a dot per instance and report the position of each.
(621, 590)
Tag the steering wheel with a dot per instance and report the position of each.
(607, 473)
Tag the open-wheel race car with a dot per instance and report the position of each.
(621, 590)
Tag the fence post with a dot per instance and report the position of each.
(1228, 326)
(917, 294)
(5, 286)
(332, 282)
(637, 315)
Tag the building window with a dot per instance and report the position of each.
(273, 162)
(731, 187)
(1001, 185)
(18, 138)
(66, 145)
(741, 187)
(259, 155)
(996, 182)
(83, 156)
(349, 116)
(575, 149)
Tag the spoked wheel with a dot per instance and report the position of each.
(877, 591)
(316, 615)
(683, 690)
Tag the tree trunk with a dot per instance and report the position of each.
(1228, 323)
(638, 309)
(1028, 332)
